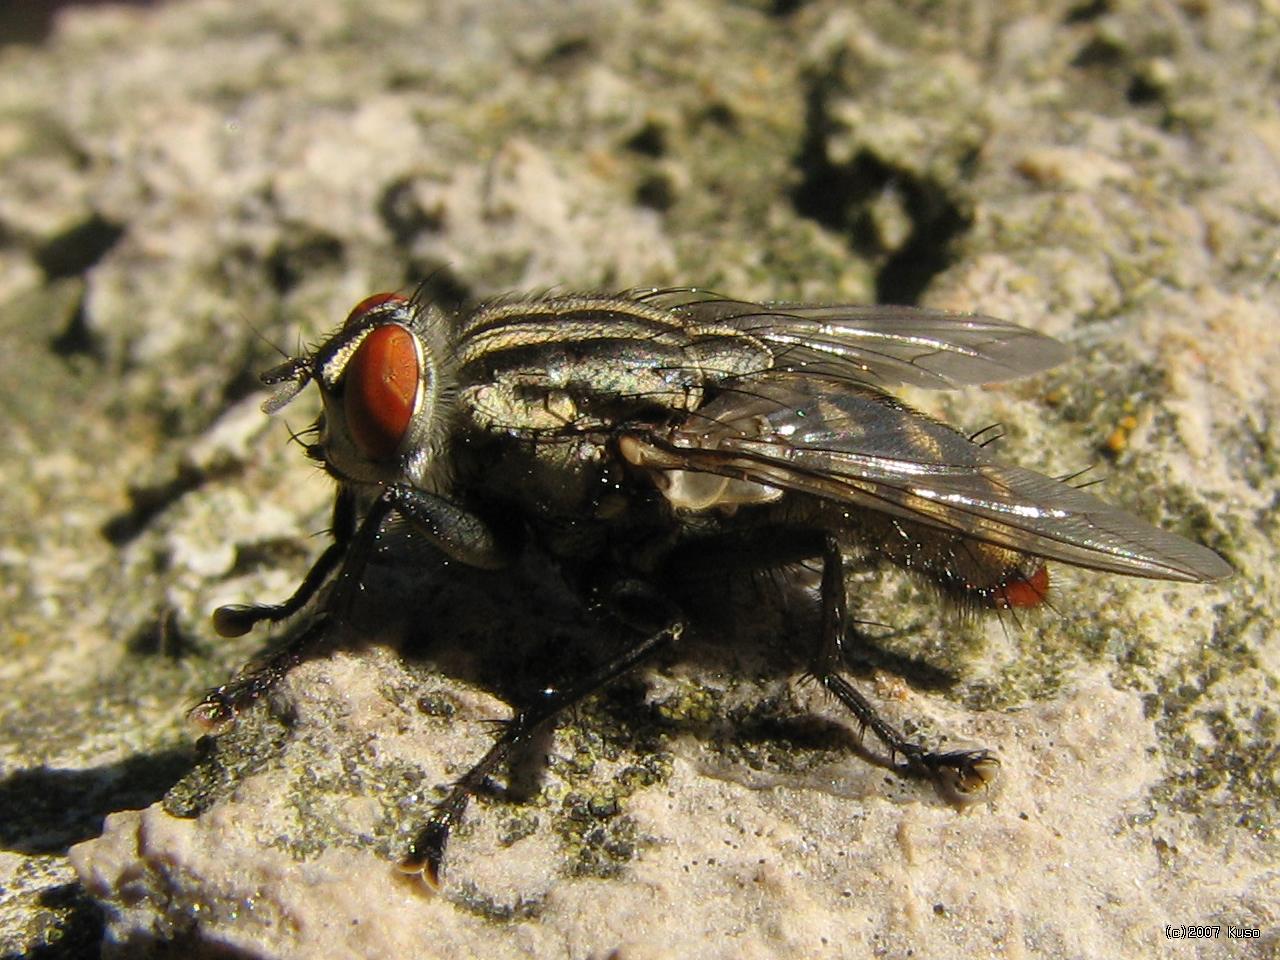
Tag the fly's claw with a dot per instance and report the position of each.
(215, 714)
(961, 772)
(426, 854)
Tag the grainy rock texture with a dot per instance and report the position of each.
(183, 185)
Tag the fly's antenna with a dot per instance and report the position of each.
(257, 332)
(291, 376)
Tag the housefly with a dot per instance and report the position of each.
(632, 438)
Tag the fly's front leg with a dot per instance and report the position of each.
(459, 534)
(237, 619)
(963, 771)
(219, 706)
(426, 852)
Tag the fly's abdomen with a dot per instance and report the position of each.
(969, 571)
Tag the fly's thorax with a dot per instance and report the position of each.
(384, 385)
(580, 363)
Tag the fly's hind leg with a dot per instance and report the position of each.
(963, 771)
(426, 852)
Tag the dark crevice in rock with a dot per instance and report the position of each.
(843, 196)
(73, 251)
(303, 257)
(404, 215)
(434, 282)
(74, 928)
(651, 140)
(146, 501)
(33, 23)
(911, 268)
(76, 338)
(163, 636)
(1086, 11)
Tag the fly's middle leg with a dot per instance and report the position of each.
(963, 771)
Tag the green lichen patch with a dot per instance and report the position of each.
(255, 740)
(1217, 723)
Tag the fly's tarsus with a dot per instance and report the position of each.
(218, 708)
(962, 772)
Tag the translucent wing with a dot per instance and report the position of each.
(859, 447)
(880, 345)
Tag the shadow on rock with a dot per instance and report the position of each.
(47, 809)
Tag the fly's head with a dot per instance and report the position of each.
(381, 380)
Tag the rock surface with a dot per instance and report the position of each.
(186, 184)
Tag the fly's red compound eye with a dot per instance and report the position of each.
(380, 389)
(1027, 592)
(371, 303)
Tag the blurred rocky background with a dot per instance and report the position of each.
(187, 188)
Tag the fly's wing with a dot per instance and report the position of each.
(855, 446)
(879, 345)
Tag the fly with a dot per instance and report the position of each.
(642, 436)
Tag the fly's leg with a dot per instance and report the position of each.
(237, 619)
(426, 852)
(963, 771)
(218, 708)
(459, 534)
